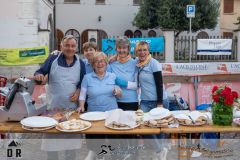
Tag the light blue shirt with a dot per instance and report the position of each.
(146, 80)
(88, 66)
(100, 91)
(128, 72)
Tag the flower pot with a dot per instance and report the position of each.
(222, 114)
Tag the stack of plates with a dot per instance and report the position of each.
(38, 123)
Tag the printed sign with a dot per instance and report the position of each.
(23, 56)
(195, 69)
(214, 46)
(190, 11)
(156, 44)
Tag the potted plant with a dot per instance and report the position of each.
(222, 106)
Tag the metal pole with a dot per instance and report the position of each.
(190, 33)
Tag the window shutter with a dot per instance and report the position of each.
(227, 34)
(228, 6)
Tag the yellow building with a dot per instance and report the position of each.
(229, 12)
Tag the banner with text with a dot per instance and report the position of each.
(214, 46)
(195, 69)
(156, 44)
(23, 56)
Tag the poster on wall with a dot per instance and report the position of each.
(214, 46)
(197, 69)
(156, 44)
(23, 56)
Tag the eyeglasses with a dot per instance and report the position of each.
(100, 61)
(142, 50)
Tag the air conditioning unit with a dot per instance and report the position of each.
(92, 36)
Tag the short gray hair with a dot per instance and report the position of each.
(120, 41)
(68, 37)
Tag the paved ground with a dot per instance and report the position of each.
(31, 149)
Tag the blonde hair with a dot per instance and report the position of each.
(99, 54)
(139, 44)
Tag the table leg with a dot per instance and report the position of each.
(188, 145)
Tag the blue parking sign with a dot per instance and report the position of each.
(190, 11)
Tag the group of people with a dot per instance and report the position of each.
(102, 84)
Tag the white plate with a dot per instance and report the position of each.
(77, 130)
(123, 128)
(38, 121)
(93, 116)
(36, 129)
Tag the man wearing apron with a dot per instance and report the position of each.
(65, 72)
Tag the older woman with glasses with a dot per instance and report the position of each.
(99, 86)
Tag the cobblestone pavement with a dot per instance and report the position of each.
(30, 147)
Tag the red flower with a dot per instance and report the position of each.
(226, 91)
(224, 95)
(214, 89)
(235, 94)
(215, 97)
(229, 100)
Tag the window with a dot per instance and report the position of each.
(137, 33)
(228, 6)
(128, 33)
(152, 33)
(136, 2)
(227, 34)
(71, 1)
(100, 1)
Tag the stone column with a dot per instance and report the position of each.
(169, 45)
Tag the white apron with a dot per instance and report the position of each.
(62, 83)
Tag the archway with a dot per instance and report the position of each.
(92, 35)
(137, 33)
(202, 35)
(128, 33)
(152, 33)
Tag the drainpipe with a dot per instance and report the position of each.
(54, 24)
